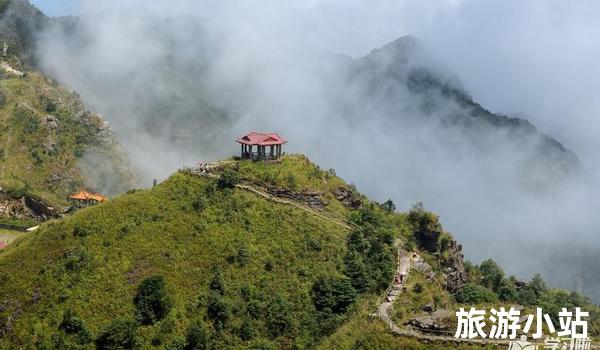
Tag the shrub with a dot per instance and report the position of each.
(18, 191)
(279, 317)
(228, 179)
(333, 293)
(218, 312)
(151, 301)
(262, 345)
(243, 257)
(71, 324)
(199, 203)
(246, 331)
(216, 283)
(176, 344)
(120, 334)
(418, 288)
(196, 338)
(444, 241)
(82, 231)
(475, 294)
(76, 260)
(291, 181)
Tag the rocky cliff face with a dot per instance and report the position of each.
(455, 275)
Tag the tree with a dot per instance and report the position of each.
(491, 274)
(355, 268)
(537, 285)
(151, 301)
(333, 293)
(370, 246)
(389, 206)
(120, 334)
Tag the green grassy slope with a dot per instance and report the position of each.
(240, 271)
(181, 229)
(47, 138)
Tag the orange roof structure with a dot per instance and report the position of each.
(84, 195)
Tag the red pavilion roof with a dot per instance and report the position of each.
(255, 138)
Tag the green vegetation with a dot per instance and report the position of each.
(51, 145)
(151, 301)
(74, 326)
(120, 334)
(236, 271)
(370, 261)
(190, 264)
(486, 287)
(475, 294)
(427, 229)
(228, 179)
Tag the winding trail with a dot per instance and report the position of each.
(396, 288)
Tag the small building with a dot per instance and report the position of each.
(258, 146)
(3, 245)
(84, 198)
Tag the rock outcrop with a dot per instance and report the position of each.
(436, 321)
(455, 275)
(312, 199)
(347, 197)
(25, 207)
(419, 264)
